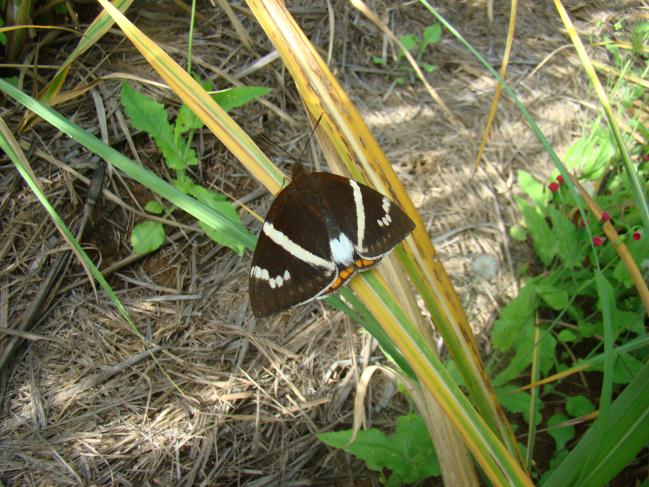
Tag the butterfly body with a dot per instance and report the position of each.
(319, 230)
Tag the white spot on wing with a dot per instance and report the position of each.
(386, 219)
(286, 276)
(342, 250)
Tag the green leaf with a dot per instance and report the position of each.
(154, 207)
(238, 96)
(429, 68)
(517, 401)
(187, 120)
(567, 336)
(409, 41)
(626, 368)
(221, 205)
(561, 434)
(518, 232)
(591, 154)
(567, 242)
(543, 238)
(639, 36)
(579, 406)
(408, 453)
(147, 237)
(518, 314)
(379, 60)
(554, 296)
(151, 116)
(432, 34)
(532, 188)
(400, 80)
(524, 349)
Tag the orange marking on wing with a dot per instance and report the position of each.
(363, 263)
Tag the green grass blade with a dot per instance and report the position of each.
(131, 169)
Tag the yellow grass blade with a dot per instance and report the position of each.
(205, 108)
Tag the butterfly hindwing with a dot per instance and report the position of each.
(383, 224)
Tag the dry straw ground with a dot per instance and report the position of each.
(81, 404)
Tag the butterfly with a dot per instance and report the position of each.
(319, 231)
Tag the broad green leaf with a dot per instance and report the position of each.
(218, 203)
(519, 313)
(429, 68)
(554, 296)
(567, 243)
(517, 232)
(517, 401)
(147, 237)
(409, 41)
(148, 115)
(238, 96)
(543, 238)
(532, 188)
(579, 406)
(186, 121)
(432, 34)
(591, 154)
(561, 434)
(567, 336)
(408, 453)
(524, 341)
(154, 207)
(625, 369)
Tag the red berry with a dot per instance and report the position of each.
(636, 236)
(645, 157)
(560, 179)
(605, 216)
(553, 186)
(598, 241)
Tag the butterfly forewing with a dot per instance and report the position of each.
(288, 266)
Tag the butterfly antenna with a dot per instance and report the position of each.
(275, 144)
(310, 137)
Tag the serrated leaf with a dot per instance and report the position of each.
(543, 238)
(579, 406)
(154, 207)
(567, 242)
(187, 120)
(150, 116)
(517, 401)
(561, 434)
(515, 316)
(238, 96)
(408, 453)
(432, 34)
(147, 237)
